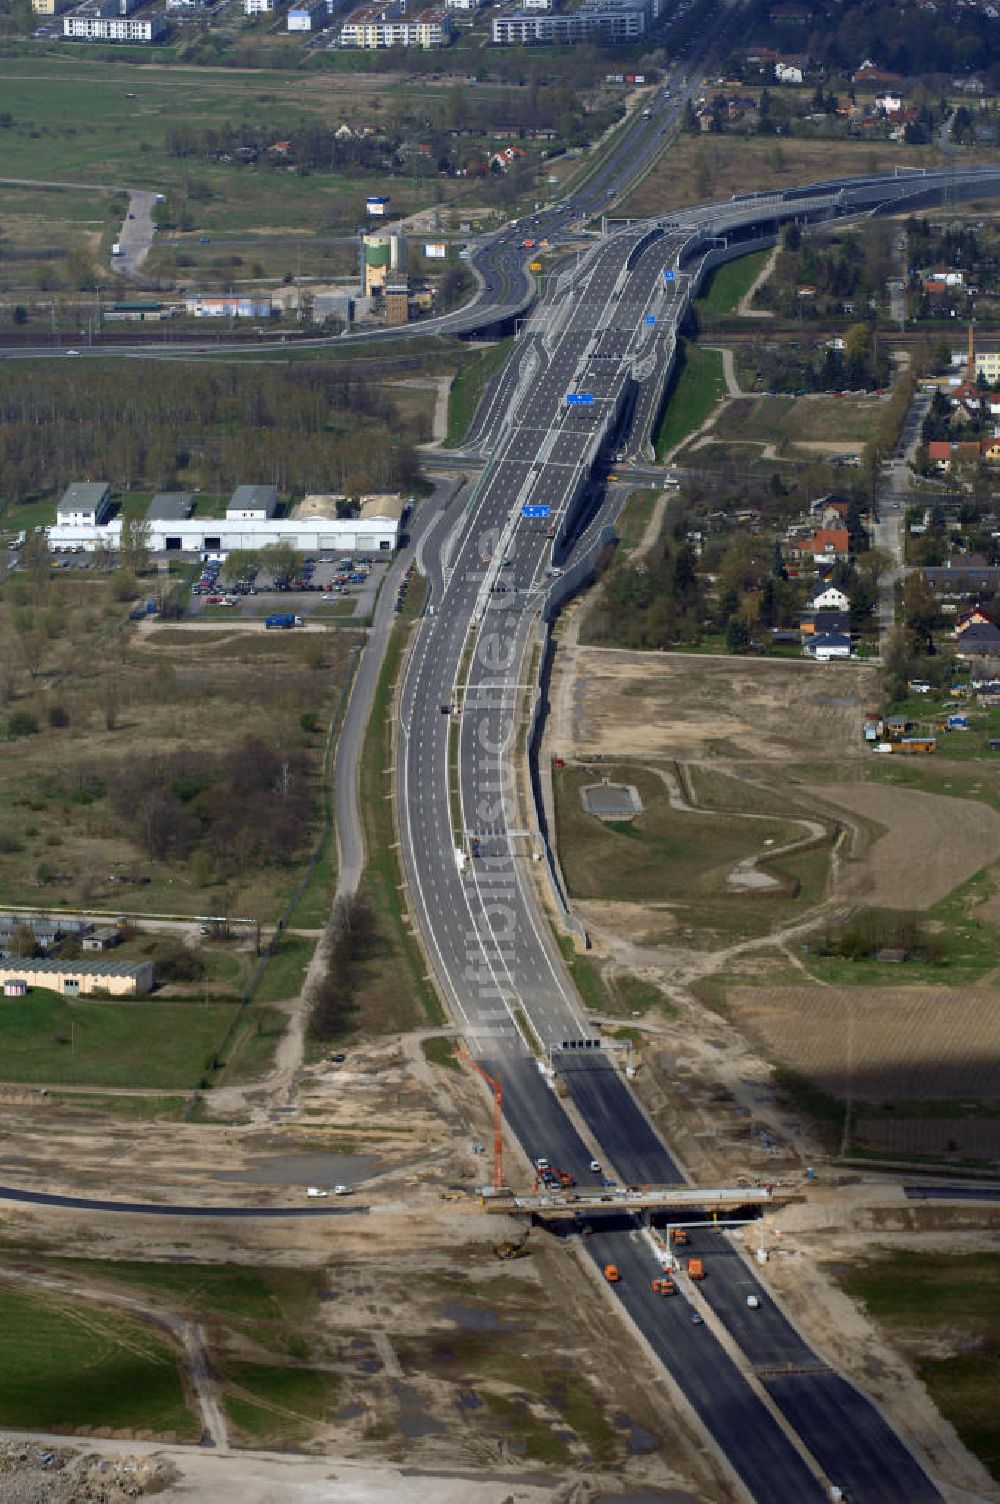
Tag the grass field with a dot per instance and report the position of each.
(441, 1052)
(41, 228)
(157, 1044)
(275, 1398)
(663, 855)
(468, 387)
(696, 386)
(66, 1363)
(633, 519)
(723, 289)
(394, 992)
(277, 1404)
(929, 1302)
(65, 841)
(81, 121)
(282, 976)
(803, 420)
(699, 168)
(265, 1297)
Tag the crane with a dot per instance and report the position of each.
(497, 1091)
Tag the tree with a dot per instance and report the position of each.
(240, 563)
(35, 559)
(737, 636)
(134, 544)
(278, 560)
(24, 943)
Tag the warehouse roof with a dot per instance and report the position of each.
(170, 506)
(254, 499)
(77, 968)
(84, 495)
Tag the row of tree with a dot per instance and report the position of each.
(346, 947)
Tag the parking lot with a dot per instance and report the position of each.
(325, 585)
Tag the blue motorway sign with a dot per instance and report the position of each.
(650, 319)
(535, 510)
(668, 276)
(578, 399)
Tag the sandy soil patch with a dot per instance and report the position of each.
(931, 843)
(680, 705)
(990, 910)
(880, 1044)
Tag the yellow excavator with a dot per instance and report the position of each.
(509, 1249)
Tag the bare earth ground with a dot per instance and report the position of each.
(420, 1319)
(932, 843)
(689, 706)
(880, 1043)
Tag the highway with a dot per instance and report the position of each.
(603, 332)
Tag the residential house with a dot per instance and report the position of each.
(889, 102)
(871, 73)
(828, 543)
(307, 15)
(828, 646)
(980, 641)
(957, 578)
(828, 598)
(788, 72)
(89, 25)
(376, 26)
(969, 619)
(830, 510)
(947, 452)
(823, 623)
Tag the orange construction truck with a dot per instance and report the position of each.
(611, 1274)
(696, 1269)
(664, 1286)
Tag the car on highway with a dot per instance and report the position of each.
(316, 1194)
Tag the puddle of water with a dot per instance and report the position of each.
(349, 1411)
(474, 1319)
(414, 1419)
(642, 1442)
(468, 1399)
(305, 1169)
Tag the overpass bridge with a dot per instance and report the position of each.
(557, 1205)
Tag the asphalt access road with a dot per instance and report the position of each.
(154, 1209)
